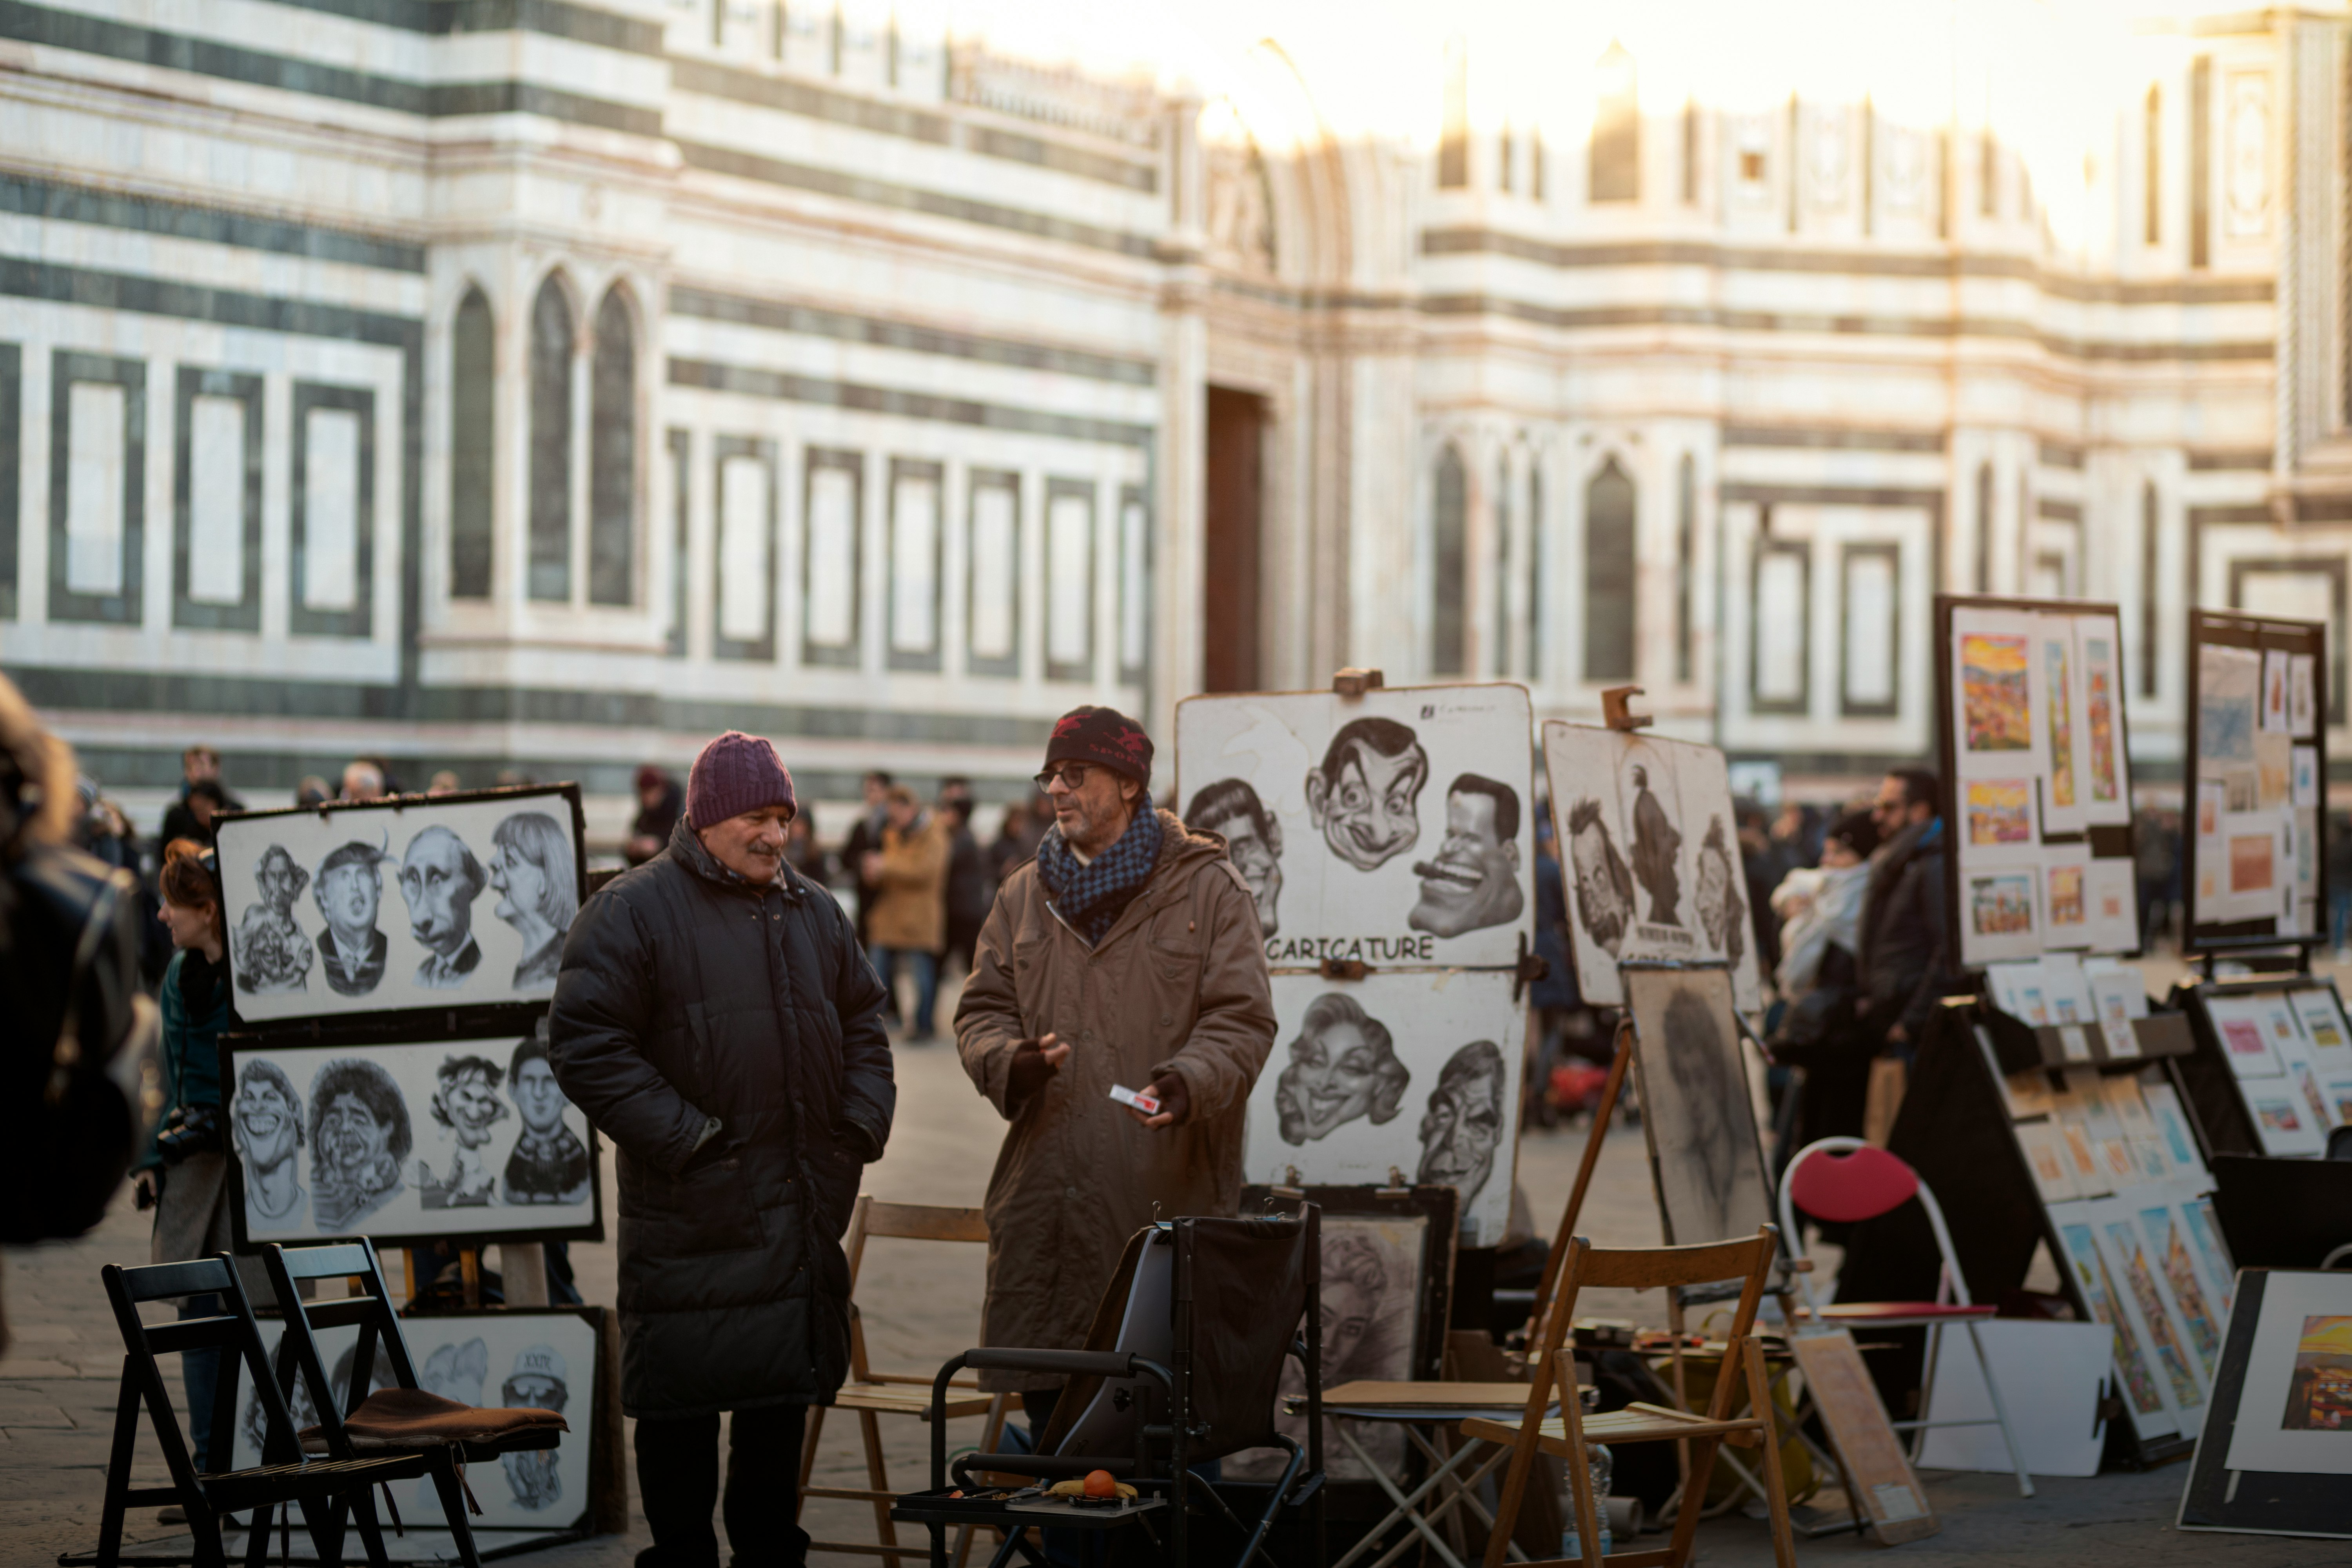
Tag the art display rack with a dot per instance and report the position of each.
(1956, 1127)
(2230, 1109)
(2220, 641)
(386, 1028)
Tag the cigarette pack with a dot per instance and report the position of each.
(1146, 1103)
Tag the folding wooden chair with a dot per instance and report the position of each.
(873, 1394)
(282, 1479)
(1566, 1435)
(439, 1455)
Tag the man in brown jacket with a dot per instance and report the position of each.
(909, 914)
(1127, 952)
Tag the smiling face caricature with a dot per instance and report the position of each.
(1364, 796)
(1474, 881)
(1343, 1065)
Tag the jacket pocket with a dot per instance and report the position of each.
(1175, 982)
(708, 1209)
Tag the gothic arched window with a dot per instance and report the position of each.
(473, 446)
(549, 575)
(613, 454)
(1609, 576)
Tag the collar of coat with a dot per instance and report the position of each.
(1181, 847)
(686, 847)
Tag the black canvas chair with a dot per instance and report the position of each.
(1224, 1304)
(439, 1440)
(283, 1479)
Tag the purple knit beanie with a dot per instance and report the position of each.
(736, 773)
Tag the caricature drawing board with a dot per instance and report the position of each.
(1650, 854)
(1396, 828)
(404, 911)
(1413, 1072)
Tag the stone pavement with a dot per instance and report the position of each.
(921, 1304)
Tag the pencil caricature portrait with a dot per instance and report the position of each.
(531, 867)
(349, 891)
(1366, 796)
(1657, 849)
(1722, 912)
(466, 1101)
(1343, 1065)
(266, 1122)
(1474, 879)
(1696, 1110)
(1604, 886)
(537, 1383)
(550, 1163)
(440, 879)
(1464, 1122)
(359, 1137)
(270, 951)
(457, 1371)
(1231, 809)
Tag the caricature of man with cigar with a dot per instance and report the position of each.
(1474, 881)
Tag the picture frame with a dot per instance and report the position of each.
(311, 939)
(1398, 1079)
(1649, 850)
(2032, 737)
(550, 1357)
(1395, 828)
(405, 1141)
(2256, 763)
(1707, 1156)
(2263, 1466)
(1371, 1236)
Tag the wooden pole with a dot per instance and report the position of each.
(1603, 1110)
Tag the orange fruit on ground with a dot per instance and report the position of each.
(1100, 1484)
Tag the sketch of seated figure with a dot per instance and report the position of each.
(1343, 1065)
(271, 951)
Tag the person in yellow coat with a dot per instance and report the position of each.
(908, 917)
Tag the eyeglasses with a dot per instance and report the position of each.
(1073, 775)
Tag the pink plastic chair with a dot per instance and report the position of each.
(1846, 1180)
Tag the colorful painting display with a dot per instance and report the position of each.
(2294, 1411)
(2033, 741)
(2257, 869)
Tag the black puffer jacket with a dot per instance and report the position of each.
(687, 994)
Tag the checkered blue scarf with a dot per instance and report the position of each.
(1092, 897)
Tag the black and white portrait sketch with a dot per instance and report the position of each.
(1650, 842)
(441, 879)
(1657, 848)
(1230, 808)
(349, 891)
(1465, 1122)
(1474, 881)
(269, 950)
(532, 867)
(466, 1101)
(1722, 912)
(359, 1137)
(457, 1371)
(1365, 798)
(550, 1163)
(1696, 1110)
(265, 1124)
(1343, 1065)
(1605, 885)
(537, 1383)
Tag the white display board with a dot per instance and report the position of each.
(1651, 856)
(497, 1360)
(429, 1138)
(400, 905)
(1396, 828)
(1413, 1073)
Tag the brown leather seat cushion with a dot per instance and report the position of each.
(411, 1418)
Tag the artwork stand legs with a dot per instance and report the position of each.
(1603, 1110)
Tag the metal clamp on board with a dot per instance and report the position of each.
(1349, 968)
(1532, 967)
(1617, 715)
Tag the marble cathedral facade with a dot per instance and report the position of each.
(538, 385)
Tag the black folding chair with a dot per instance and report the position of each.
(1230, 1325)
(284, 1479)
(379, 1327)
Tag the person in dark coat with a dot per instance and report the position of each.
(660, 802)
(1900, 969)
(971, 885)
(866, 836)
(716, 1018)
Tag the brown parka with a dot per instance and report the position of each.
(1179, 983)
(911, 911)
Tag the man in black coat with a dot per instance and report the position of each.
(1901, 967)
(716, 1018)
